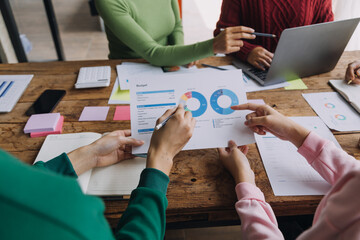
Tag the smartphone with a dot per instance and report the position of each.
(46, 102)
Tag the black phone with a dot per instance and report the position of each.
(46, 102)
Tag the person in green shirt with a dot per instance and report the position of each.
(152, 30)
(44, 201)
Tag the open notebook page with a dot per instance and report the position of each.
(56, 144)
(350, 91)
(118, 179)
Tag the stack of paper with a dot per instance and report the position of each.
(41, 125)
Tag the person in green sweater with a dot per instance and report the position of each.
(44, 201)
(152, 30)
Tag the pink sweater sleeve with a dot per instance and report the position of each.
(329, 161)
(257, 217)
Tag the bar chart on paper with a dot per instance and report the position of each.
(216, 122)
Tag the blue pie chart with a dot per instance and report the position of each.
(223, 92)
(202, 100)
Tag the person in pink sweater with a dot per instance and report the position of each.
(338, 214)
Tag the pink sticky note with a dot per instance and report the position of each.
(122, 113)
(94, 114)
(45, 122)
(256, 101)
(58, 130)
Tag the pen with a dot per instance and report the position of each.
(258, 34)
(160, 125)
(7, 89)
(211, 66)
(350, 81)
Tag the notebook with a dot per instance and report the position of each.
(351, 92)
(11, 89)
(118, 179)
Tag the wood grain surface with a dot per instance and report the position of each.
(200, 188)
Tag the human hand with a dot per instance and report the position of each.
(234, 160)
(229, 40)
(170, 139)
(266, 119)
(353, 72)
(260, 58)
(189, 65)
(108, 150)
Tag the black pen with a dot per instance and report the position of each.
(264, 34)
(211, 66)
(269, 35)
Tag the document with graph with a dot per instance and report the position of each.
(208, 96)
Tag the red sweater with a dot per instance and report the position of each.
(271, 16)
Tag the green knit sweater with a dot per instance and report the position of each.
(149, 29)
(44, 201)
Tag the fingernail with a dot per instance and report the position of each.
(246, 123)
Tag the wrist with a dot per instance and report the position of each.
(245, 177)
(82, 159)
(160, 160)
(298, 135)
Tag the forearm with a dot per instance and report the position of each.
(258, 220)
(129, 32)
(145, 217)
(329, 161)
(82, 159)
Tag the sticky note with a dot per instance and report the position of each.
(94, 114)
(58, 130)
(296, 84)
(122, 113)
(122, 95)
(45, 122)
(256, 101)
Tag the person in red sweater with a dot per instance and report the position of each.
(270, 16)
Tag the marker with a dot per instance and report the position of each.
(160, 125)
(211, 66)
(269, 35)
(7, 89)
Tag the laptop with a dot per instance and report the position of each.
(304, 51)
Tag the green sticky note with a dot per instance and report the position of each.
(122, 95)
(296, 84)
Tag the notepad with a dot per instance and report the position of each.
(45, 122)
(351, 92)
(118, 179)
(94, 114)
(58, 130)
(122, 113)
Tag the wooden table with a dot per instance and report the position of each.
(200, 189)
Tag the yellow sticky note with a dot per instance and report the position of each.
(296, 84)
(122, 95)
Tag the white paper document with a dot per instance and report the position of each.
(288, 171)
(207, 95)
(334, 111)
(127, 70)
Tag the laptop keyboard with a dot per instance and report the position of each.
(259, 73)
